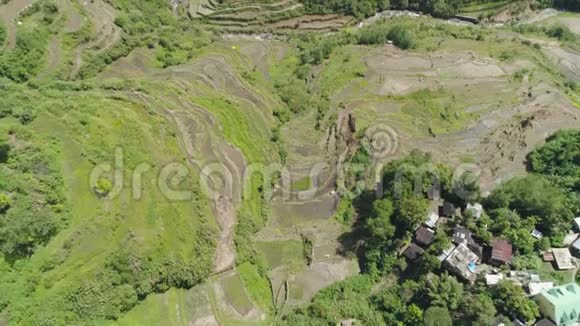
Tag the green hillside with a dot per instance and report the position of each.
(212, 162)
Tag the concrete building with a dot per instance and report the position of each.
(463, 262)
(535, 288)
(561, 304)
(563, 258)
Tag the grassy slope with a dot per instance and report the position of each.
(151, 227)
(87, 127)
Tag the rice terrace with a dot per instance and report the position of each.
(289, 162)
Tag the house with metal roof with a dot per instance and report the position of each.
(501, 252)
(561, 304)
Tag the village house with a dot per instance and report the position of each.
(475, 210)
(432, 219)
(493, 279)
(561, 304)
(570, 238)
(463, 235)
(446, 253)
(460, 235)
(424, 236)
(501, 252)
(575, 248)
(463, 262)
(413, 252)
(563, 258)
(534, 288)
(537, 234)
(548, 256)
(544, 322)
(447, 210)
(577, 224)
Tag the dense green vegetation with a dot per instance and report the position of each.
(26, 58)
(68, 255)
(558, 159)
(75, 253)
(362, 9)
(151, 24)
(2, 33)
(546, 199)
(438, 8)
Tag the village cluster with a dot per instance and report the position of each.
(470, 259)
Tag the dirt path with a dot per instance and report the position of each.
(198, 143)
(9, 14)
(213, 159)
(54, 53)
(107, 33)
(74, 20)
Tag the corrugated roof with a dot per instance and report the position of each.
(502, 251)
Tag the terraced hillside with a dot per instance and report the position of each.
(260, 16)
(155, 169)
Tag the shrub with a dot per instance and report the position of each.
(401, 37)
(437, 316)
(5, 202)
(561, 32)
(103, 187)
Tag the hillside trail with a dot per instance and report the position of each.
(219, 164)
(107, 33)
(9, 14)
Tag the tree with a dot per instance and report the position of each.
(511, 300)
(559, 159)
(411, 211)
(437, 316)
(401, 37)
(4, 152)
(413, 315)
(480, 309)
(445, 291)
(534, 196)
(5, 202)
(380, 226)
